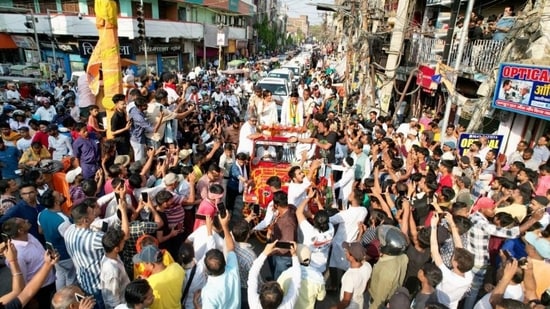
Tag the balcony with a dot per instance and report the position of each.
(479, 59)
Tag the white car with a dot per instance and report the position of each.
(279, 87)
(282, 73)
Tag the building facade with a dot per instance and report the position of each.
(179, 34)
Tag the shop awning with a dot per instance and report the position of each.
(210, 52)
(6, 42)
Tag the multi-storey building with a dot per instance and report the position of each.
(179, 33)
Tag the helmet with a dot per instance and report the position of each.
(392, 240)
(18, 112)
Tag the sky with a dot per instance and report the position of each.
(303, 7)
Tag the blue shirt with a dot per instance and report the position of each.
(10, 161)
(85, 149)
(54, 224)
(140, 126)
(504, 22)
(234, 173)
(27, 212)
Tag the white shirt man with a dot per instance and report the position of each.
(61, 145)
(46, 112)
(247, 135)
(292, 111)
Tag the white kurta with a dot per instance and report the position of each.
(347, 231)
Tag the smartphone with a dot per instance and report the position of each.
(200, 217)
(161, 108)
(256, 209)
(222, 210)
(117, 197)
(283, 245)
(144, 196)
(51, 250)
(4, 237)
(507, 254)
(79, 297)
(179, 227)
(104, 227)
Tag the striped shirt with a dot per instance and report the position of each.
(85, 248)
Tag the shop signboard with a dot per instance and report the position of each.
(465, 140)
(523, 89)
(86, 47)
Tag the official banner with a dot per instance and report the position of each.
(523, 89)
(465, 140)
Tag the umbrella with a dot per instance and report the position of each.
(236, 62)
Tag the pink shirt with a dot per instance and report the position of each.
(206, 208)
(543, 185)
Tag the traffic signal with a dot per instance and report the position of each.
(141, 21)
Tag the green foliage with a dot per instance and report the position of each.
(267, 34)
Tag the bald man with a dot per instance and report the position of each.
(67, 298)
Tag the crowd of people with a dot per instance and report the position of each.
(147, 211)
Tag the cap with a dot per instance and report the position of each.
(400, 299)
(483, 203)
(542, 245)
(355, 249)
(465, 159)
(71, 175)
(542, 200)
(172, 178)
(122, 160)
(304, 254)
(450, 144)
(184, 153)
(149, 254)
(412, 132)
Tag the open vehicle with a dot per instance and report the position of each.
(273, 155)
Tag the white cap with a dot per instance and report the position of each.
(71, 175)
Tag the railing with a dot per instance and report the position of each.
(480, 56)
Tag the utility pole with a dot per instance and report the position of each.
(458, 61)
(349, 53)
(394, 53)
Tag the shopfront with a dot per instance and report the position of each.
(161, 57)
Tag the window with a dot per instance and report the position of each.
(182, 14)
(46, 5)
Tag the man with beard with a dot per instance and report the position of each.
(53, 224)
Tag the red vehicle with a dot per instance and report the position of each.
(272, 156)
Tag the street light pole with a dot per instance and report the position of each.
(204, 44)
(53, 37)
(36, 36)
(458, 61)
(221, 40)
